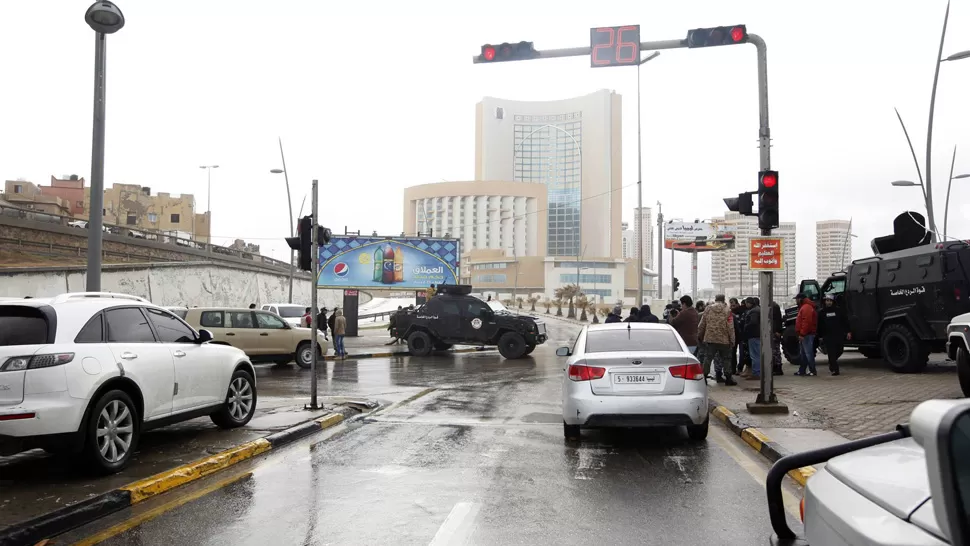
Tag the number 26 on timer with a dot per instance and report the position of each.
(614, 46)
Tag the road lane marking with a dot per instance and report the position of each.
(590, 460)
(458, 526)
(407, 400)
(752, 467)
(153, 513)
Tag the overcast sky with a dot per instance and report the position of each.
(372, 97)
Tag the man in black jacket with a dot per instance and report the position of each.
(752, 336)
(833, 329)
(777, 331)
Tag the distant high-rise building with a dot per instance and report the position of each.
(645, 216)
(729, 268)
(573, 148)
(833, 247)
(627, 245)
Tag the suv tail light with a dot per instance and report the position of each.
(582, 372)
(956, 294)
(18, 363)
(692, 372)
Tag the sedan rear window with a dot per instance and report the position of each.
(22, 325)
(614, 341)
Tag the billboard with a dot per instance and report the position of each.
(699, 236)
(766, 254)
(399, 263)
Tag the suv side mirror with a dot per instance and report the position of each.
(205, 336)
(563, 351)
(942, 428)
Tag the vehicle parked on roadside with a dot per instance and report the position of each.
(958, 349)
(453, 316)
(898, 304)
(88, 373)
(290, 312)
(910, 487)
(264, 336)
(628, 374)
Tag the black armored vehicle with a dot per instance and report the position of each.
(454, 317)
(898, 304)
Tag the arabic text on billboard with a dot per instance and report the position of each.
(349, 261)
(766, 254)
(699, 236)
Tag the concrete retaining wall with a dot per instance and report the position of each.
(171, 284)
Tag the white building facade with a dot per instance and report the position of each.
(572, 148)
(833, 247)
(644, 216)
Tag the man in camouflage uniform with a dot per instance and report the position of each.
(716, 331)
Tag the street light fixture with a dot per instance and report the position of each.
(104, 18)
(289, 203)
(208, 199)
(646, 59)
(905, 183)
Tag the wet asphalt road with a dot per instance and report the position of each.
(477, 458)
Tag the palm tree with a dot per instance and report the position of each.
(582, 303)
(532, 301)
(558, 304)
(547, 303)
(604, 312)
(518, 300)
(569, 292)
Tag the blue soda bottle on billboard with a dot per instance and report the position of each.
(378, 264)
(388, 276)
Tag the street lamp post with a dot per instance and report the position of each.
(646, 59)
(949, 183)
(104, 18)
(208, 200)
(289, 203)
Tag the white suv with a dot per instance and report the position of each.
(89, 372)
(291, 313)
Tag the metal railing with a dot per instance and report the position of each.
(135, 234)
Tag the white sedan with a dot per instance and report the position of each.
(632, 374)
(87, 373)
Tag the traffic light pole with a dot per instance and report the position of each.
(314, 270)
(766, 401)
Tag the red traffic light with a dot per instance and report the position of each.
(738, 34)
(520, 51)
(769, 180)
(488, 52)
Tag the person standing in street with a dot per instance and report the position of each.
(806, 326)
(833, 329)
(716, 329)
(305, 321)
(752, 337)
(777, 331)
(252, 305)
(686, 322)
(738, 352)
(646, 315)
(330, 322)
(339, 329)
(634, 315)
(391, 323)
(615, 315)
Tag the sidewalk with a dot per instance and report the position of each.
(866, 399)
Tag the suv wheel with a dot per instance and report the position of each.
(529, 348)
(902, 350)
(240, 402)
(419, 344)
(111, 433)
(512, 345)
(963, 369)
(570, 432)
(304, 355)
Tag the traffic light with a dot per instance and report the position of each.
(743, 203)
(301, 243)
(717, 36)
(521, 51)
(676, 285)
(768, 200)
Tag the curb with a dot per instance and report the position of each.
(399, 353)
(759, 441)
(84, 512)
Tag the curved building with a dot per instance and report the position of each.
(506, 216)
(572, 148)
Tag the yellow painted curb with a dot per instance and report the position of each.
(801, 475)
(754, 438)
(168, 480)
(328, 421)
(722, 413)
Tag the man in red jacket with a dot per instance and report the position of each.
(806, 324)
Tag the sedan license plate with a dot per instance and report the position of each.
(646, 379)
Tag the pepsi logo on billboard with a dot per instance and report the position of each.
(341, 269)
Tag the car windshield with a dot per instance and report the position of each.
(497, 307)
(291, 311)
(631, 339)
(22, 325)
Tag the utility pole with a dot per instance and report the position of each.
(660, 251)
(693, 273)
(314, 273)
